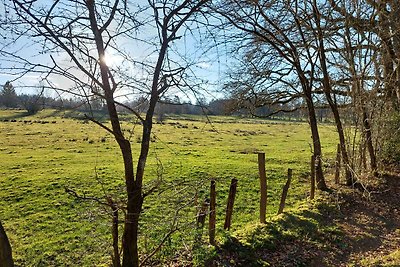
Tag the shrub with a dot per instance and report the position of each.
(390, 153)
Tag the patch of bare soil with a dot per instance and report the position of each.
(370, 220)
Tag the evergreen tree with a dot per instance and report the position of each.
(8, 96)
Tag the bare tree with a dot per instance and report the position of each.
(78, 36)
(327, 87)
(380, 18)
(275, 37)
(344, 51)
(369, 31)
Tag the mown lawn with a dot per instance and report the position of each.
(41, 155)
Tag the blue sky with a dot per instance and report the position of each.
(208, 66)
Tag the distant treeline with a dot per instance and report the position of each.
(36, 102)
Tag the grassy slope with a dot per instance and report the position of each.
(47, 227)
(344, 228)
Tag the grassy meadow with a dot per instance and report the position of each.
(40, 155)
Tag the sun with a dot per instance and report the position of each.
(112, 60)
(108, 59)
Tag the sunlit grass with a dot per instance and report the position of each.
(42, 154)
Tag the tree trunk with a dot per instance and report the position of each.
(133, 188)
(131, 229)
(319, 174)
(388, 32)
(312, 178)
(339, 127)
(327, 88)
(368, 140)
(5, 249)
(395, 24)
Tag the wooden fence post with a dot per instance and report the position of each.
(285, 191)
(337, 165)
(312, 165)
(263, 186)
(115, 256)
(212, 220)
(201, 216)
(229, 207)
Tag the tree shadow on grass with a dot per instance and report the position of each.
(17, 115)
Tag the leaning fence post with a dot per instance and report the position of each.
(263, 186)
(212, 220)
(285, 191)
(312, 165)
(337, 164)
(231, 201)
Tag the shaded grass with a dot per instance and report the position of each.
(288, 239)
(390, 260)
(47, 227)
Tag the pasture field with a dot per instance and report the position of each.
(40, 155)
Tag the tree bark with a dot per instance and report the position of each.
(131, 229)
(337, 164)
(5, 249)
(319, 174)
(134, 192)
(368, 140)
(388, 31)
(312, 178)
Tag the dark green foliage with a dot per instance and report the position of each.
(391, 140)
(8, 96)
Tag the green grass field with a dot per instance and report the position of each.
(41, 155)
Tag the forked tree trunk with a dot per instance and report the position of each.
(358, 96)
(134, 188)
(5, 249)
(135, 196)
(327, 88)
